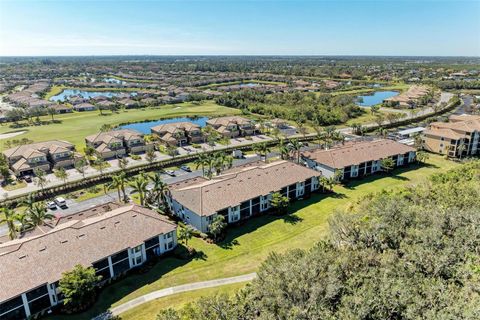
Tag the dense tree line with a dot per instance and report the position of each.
(324, 109)
(409, 254)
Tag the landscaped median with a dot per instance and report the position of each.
(246, 246)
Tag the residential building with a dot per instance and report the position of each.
(84, 107)
(53, 154)
(62, 108)
(178, 133)
(233, 126)
(357, 159)
(117, 143)
(112, 241)
(457, 138)
(239, 193)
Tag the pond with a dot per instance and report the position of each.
(375, 98)
(249, 85)
(67, 93)
(144, 127)
(113, 80)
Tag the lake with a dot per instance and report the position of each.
(144, 127)
(375, 98)
(67, 93)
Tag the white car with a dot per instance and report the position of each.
(60, 201)
(51, 205)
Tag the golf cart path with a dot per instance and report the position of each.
(178, 289)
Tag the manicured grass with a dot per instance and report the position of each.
(17, 185)
(149, 310)
(247, 245)
(74, 127)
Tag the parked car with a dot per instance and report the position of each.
(170, 173)
(237, 154)
(51, 205)
(186, 168)
(61, 202)
(27, 178)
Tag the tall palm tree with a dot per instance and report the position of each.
(296, 146)
(116, 183)
(159, 190)
(38, 214)
(10, 221)
(284, 150)
(201, 162)
(40, 179)
(262, 149)
(23, 221)
(139, 184)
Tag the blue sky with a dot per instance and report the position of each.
(388, 27)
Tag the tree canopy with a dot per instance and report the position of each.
(408, 254)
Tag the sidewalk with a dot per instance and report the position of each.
(178, 289)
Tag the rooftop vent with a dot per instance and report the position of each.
(63, 241)
(22, 257)
(42, 249)
(81, 235)
(101, 228)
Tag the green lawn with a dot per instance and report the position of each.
(74, 127)
(148, 310)
(248, 245)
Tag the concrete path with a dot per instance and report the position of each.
(178, 289)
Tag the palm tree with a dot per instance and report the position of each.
(123, 163)
(185, 234)
(80, 166)
(40, 178)
(52, 112)
(284, 150)
(116, 183)
(61, 174)
(89, 153)
(139, 184)
(38, 214)
(150, 156)
(160, 190)
(262, 149)
(201, 161)
(10, 221)
(296, 146)
(29, 201)
(23, 221)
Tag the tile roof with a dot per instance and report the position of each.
(224, 121)
(28, 150)
(114, 135)
(175, 126)
(354, 153)
(205, 197)
(36, 260)
(457, 128)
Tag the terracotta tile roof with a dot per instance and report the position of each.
(27, 150)
(354, 153)
(457, 128)
(114, 135)
(175, 126)
(224, 121)
(33, 261)
(445, 133)
(205, 197)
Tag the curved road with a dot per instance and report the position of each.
(178, 289)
